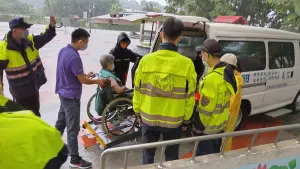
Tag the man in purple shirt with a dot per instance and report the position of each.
(69, 79)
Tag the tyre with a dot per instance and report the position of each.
(241, 118)
(295, 106)
(90, 109)
(118, 117)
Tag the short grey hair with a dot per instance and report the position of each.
(106, 59)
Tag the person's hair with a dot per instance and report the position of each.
(214, 55)
(78, 34)
(239, 68)
(172, 28)
(106, 59)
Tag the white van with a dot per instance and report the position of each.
(270, 60)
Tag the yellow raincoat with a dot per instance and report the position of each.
(235, 104)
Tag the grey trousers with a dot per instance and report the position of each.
(69, 116)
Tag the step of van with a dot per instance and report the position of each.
(278, 112)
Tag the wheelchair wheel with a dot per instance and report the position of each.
(118, 117)
(90, 109)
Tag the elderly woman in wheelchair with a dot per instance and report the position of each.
(113, 102)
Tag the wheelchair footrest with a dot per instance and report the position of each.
(125, 138)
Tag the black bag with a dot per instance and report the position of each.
(38, 77)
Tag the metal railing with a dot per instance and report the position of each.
(196, 140)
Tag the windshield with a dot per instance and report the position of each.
(188, 44)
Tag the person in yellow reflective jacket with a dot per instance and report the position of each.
(165, 83)
(235, 100)
(19, 57)
(215, 91)
(27, 142)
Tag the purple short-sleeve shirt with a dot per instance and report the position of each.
(69, 65)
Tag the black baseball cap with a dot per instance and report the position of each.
(19, 23)
(210, 46)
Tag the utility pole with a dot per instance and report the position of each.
(89, 21)
(93, 9)
(64, 16)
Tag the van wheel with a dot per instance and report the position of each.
(295, 106)
(240, 118)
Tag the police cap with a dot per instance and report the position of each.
(19, 23)
(210, 46)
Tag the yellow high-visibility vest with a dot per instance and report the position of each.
(214, 101)
(165, 83)
(26, 141)
(16, 67)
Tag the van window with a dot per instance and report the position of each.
(281, 55)
(187, 46)
(251, 54)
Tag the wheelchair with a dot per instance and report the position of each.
(117, 118)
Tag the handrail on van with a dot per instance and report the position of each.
(196, 140)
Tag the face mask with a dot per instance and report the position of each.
(85, 47)
(205, 64)
(204, 59)
(25, 34)
(112, 66)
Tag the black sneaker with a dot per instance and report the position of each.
(80, 163)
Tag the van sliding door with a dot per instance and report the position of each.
(281, 86)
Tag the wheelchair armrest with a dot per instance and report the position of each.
(128, 91)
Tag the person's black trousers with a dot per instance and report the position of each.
(30, 103)
(209, 147)
(152, 134)
(59, 160)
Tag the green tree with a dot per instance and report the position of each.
(289, 14)
(254, 10)
(77, 7)
(280, 14)
(116, 8)
(149, 6)
(14, 6)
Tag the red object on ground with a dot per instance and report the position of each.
(231, 19)
(253, 122)
(85, 140)
(88, 142)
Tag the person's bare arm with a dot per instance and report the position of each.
(85, 80)
(116, 87)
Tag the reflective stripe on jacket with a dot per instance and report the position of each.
(27, 142)
(213, 108)
(235, 104)
(165, 83)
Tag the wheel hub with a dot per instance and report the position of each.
(298, 103)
